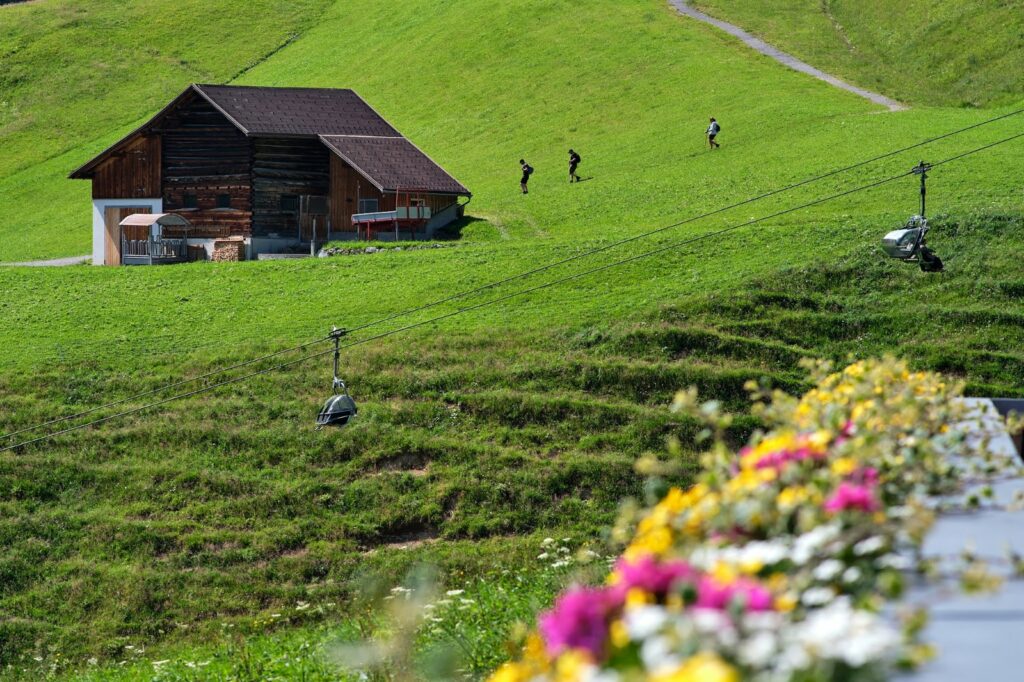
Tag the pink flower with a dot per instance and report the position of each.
(651, 575)
(579, 620)
(712, 594)
(852, 496)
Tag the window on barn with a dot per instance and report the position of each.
(289, 202)
(190, 200)
(223, 201)
(368, 205)
(417, 202)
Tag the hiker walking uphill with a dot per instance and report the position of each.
(713, 131)
(527, 172)
(574, 161)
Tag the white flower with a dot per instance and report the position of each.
(454, 593)
(851, 575)
(709, 620)
(758, 651)
(543, 556)
(841, 632)
(157, 664)
(547, 541)
(807, 544)
(827, 570)
(869, 546)
(896, 561)
(658, 655)
(643, 621)
(817, 596)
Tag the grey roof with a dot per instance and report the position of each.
(393, 163)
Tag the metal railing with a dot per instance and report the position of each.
(163, 249)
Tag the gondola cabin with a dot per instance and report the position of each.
(255, 170)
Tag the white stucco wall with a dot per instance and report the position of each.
(99, 228)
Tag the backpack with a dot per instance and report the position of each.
(528, 170)
(578, 159)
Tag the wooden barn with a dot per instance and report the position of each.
(268, 170)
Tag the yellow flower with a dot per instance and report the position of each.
(704, 667)
(724, 573)
(637, 597)
(777, 582)
(656, 541)
(844, 466)
(619, 635)
(512, 672)
(751, 566)
(571, 665)
(789, 498)
(785, 603)
(534, 651)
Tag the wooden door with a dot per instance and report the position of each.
(112, 217)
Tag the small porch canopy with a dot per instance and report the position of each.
(143, 241)
(150, 219)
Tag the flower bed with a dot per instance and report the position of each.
(779, 563)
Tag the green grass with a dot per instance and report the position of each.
(968, 53)
(78, 75)
(483, 433)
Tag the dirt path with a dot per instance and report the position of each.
(53, 263)
(684, 8)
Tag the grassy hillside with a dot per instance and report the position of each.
(76, 75)
(968, 53)
(479, 85)
(481, 434)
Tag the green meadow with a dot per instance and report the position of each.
(175, 534)
(956, 54)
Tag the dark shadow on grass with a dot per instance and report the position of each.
(453, 231)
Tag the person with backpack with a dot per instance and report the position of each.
(574, 161)
(527, 172)
(713, 131)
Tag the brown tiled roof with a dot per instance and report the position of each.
(296, 111)
(343, 121)
(393, 163)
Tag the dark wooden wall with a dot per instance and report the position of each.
(132, 172)
(204, 154)
(285, 166)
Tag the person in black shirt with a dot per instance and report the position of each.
(527, 172)
(574, 161)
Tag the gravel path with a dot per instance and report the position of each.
(52, 263)
(683, 7)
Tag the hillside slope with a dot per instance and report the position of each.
(630, 90)
(968, 53)
(480, 434)
(75, 75)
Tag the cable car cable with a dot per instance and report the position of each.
(501, 299)
(643, 235)
(528, 273)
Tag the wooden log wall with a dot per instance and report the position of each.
(285, 166)
(348, 186)
(132, 172)
(206, 155)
